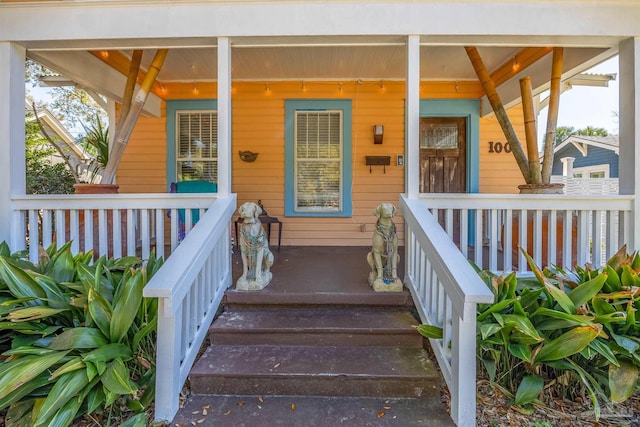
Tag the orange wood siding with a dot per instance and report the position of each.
(499, 172)
(259, 126)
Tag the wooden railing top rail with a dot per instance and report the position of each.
(558, 202)
(180, 269)
(453, 268)
(114, 201)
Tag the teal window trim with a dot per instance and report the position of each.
(293, 105)
(470, 109)
(172, 107)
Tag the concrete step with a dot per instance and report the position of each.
(354, 371)
(272, 296)
(317, 326)
(311, 411)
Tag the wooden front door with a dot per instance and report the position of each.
(443, 155)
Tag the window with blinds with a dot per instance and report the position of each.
(318, 161)
(197, 145)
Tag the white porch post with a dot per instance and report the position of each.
(567, 166)
(224, 116)
(630, 132)
(12, 145)
(412, 119)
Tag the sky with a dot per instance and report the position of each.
(583, 106)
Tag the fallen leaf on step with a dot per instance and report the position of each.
(276, 365)
(380, 414)
(200, 421)
(387, 406)
(240, 403)
(228, 412)
(260, 399)
(195, 412)
(204, 411)
(293, 406)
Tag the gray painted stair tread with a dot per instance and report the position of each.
(276, 361)
(301, 319)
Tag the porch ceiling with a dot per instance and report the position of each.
(274, 59)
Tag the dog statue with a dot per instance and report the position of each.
(383, 258)
(257, 259)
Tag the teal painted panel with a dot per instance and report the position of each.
(172, 107)
(293, 105)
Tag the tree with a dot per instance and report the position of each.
(564, 132)
(44, 176)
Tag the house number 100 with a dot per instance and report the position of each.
(497, 147)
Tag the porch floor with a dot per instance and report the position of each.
(318, 275)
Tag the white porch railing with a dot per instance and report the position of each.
(189, 287)
(446, 290)
(584, 186)
(143, 221)
(563, 230)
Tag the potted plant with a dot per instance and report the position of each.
(537, 176)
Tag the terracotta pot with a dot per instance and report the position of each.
(96, 188)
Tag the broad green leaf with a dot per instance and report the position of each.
(100, 311)
(625, 342)
(587, 290)
(116, 378)
(24, 390)
(5, 251)
(629, 277)
(522, 352)
(65, 415)
(71, 365)
(33, 313)
(138, 420)
(600, 306)
(20, 284)
(55, 296)
(125, 306)
(23, 370)
(80, 337)
(622, 381)
(109, 352)
(523, 324)
(613, 280)
(144, 331)
(66, 388)
(490, 367)
(36, 351)
(62, 267)
(602, 347)
(430, 331)
(561, 298)
(95, 398)
(555, 314)
(569, 343)
(495, 308)
(92, 371)
(635, 264)
(19, 414)
(489, 329)
(529, 389)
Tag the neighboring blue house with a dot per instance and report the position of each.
(581, 156)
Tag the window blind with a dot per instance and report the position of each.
(197, 145)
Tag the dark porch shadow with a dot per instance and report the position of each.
(334, 275)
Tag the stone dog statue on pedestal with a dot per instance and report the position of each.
(384, 257)
(257, 259)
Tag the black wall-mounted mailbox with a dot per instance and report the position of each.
(378, 161)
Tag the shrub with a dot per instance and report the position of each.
(76, 336)
(563, 333)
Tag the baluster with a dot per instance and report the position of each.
(47, 229)
(117, 233)
(507, 240)
(493, 240)
(596, 239)
(552, 237)
(567, 241)
(478, 238)
(160, 233)
(522, 240)
(464, 232)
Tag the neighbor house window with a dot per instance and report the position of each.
(318, 158)
(197, 145)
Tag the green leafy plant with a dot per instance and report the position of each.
(76, 336)
(563, 334)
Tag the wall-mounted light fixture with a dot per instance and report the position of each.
(378, 133)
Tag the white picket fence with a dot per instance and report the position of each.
(189, 287)
(564, 230)
(143, 222)
(446, 291)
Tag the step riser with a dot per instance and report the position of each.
(410, 340)
(315, 386)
